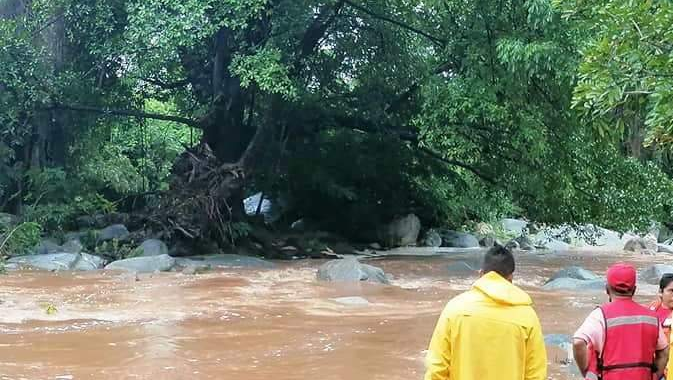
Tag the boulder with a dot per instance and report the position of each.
(665, 233)
(151, 247)
(47, 246)
(664, 248)
(573, 284)
(487, 242)
(458, 239)
(643, 245)
(47, 261)
(351, 301)
(432, 239)
(652, 274)
(525, 244)
(72, 246)
(401, 232)
(114, 232)
(161, 263)
(512, 245)
(514, 227)
(59, 261)
(350, 270)
(89, 262)
(224, 261)
(575, 272)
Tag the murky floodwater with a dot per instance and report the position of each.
(254, 324)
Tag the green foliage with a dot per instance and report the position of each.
(625, 77)
(20, 239)
(454, 110)
(265, 69)
(239, 230)
(54, 199)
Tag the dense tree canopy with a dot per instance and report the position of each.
(354, 111)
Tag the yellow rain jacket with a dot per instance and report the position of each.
(488, 333)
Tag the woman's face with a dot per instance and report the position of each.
(667, 296)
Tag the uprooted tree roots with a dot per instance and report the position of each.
(204, 198)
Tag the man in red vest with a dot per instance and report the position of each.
(626, 340)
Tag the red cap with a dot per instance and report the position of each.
(622, 276)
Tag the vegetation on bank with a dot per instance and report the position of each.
(353, 112)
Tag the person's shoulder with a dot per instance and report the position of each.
(461, 301)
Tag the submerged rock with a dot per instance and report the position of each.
(114, 232)
(573, 284)
(350, 270)
(161, 263)
(351, 301)
(458, 239)
(225, 261)
(652, 274)
(575, 272)
(59, 261)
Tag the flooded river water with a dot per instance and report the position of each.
(258, 324)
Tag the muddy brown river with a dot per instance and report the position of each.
(253, 324)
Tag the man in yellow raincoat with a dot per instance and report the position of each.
(490, 332)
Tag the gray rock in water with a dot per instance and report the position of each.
(525, 244)
(152, 247)
(458, 239)
(225, 261)
(559, 340)
(643, 245)
(487, 242)
(514, 227)
(47, 246)
(462, 268)
(553, 245)
(114, 232)
(512, 244)
(652, 274)
(60, 261)
(350, 270)
(161, 263)
(49, 261)
(401, 232)
(351, 301)
(432, 239)
(578, 273)
(89, 262)
(72, 246)
(664, 248)
(573, 284)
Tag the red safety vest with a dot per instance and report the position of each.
(631, 333)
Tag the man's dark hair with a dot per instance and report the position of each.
(666, 279)
(498, 259)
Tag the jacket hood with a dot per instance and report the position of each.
(502, 291)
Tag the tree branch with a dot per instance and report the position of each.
(436, 40)
(129, 113)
